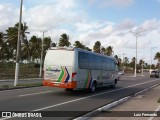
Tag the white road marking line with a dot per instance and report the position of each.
(51, 106)
(34, 94)
(158, 109)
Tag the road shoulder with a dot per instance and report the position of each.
(147, 101)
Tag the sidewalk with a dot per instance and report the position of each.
(147, 101)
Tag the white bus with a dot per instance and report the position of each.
(74, 68)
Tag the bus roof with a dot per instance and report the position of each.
(79, 49)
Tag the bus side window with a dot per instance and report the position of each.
(112, 65)
(83, 60)
(98, 63)
(91, 61)
(104, 64)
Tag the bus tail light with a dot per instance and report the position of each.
(73, 74)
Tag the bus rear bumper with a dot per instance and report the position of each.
(50, 83)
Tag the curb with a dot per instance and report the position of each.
(20, 87)
(113, 104)
(21, 79)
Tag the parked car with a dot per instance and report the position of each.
(154, 73)
(121, 73)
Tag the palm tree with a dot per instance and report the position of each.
(12, 36)
(132, 63)
(64, 40)
(47, 44)
(126, 60)
(11, 41)
(77, 44)
(1, 43)
(96, 47)
(102, 50)
(118, 60)
(87, 48)
(109, 51)
(25, 51)
(35, 47)
(157, 57)
(25, 47)
(116, 57)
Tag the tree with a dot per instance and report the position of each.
(1, 43)
(64, 40)
(118, 60)
(87, 48)
(96, 47)
(116, 57)
(102, 50)
(53, 44)
(126, 61)
(157, 57)
(109, 51)
(46, 44)
(35, 47)
(11, 40)
(26, 51)
(77, 44)
(132, 63)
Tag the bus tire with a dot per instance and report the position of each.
(68, 89)
(114, 84)
(93, 87)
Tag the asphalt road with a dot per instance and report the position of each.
(76, 102)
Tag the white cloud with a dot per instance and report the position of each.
(149, 25)
(112, 3)
(49, 16)
(85, 26)
(8, 16)
(125, 25)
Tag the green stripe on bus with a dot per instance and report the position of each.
(60, 77)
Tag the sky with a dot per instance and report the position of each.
(112, 22)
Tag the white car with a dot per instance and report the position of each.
(121, 73)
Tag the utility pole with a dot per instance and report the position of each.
(136, 34)
(18, 46)
(142, 66)
(41, 63)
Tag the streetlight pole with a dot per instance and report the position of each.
(135, 72)
(136, 34)
(18, 46)
(142, 66)
(41, 63)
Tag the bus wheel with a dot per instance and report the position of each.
(93, 87)
(114, 84)
(68, 89)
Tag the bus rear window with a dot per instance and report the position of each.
(59, 58)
